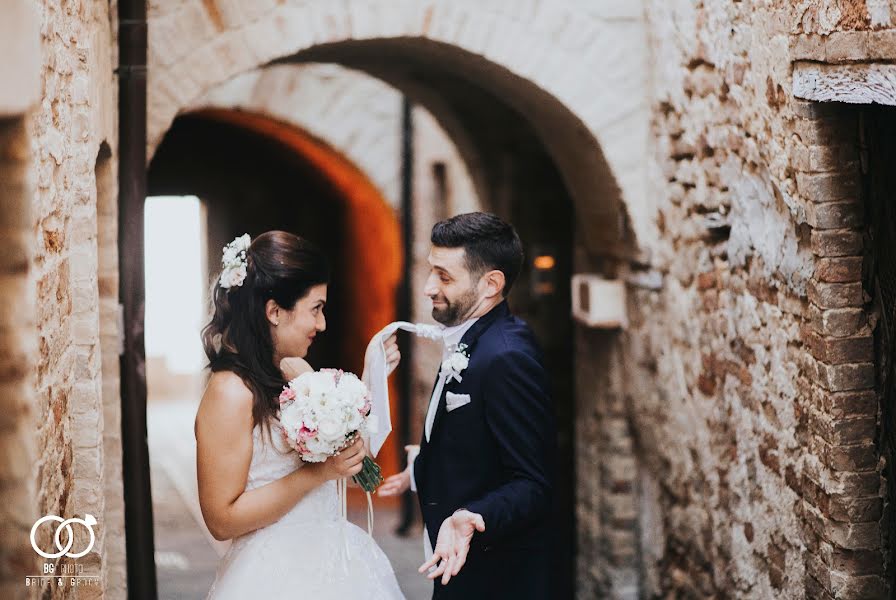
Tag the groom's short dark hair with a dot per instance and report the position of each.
(488, 242)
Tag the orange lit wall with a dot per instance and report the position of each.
(373, 241)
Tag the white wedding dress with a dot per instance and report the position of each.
(312, 552)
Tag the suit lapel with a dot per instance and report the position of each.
(469, 338)
(484, 322)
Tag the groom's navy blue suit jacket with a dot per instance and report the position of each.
(493, 455)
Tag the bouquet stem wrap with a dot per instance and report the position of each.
(370, 477)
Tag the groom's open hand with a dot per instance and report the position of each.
(453, 544)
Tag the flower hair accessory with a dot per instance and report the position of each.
(234, 262)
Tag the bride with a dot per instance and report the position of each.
(283, 515)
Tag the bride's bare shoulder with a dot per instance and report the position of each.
(227, 400)
(229, 384)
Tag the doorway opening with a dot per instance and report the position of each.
(219, 174)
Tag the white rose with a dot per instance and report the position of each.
(231, 277)
(300, 385)
(352, 387)
(330, 429)
(457, 362)
(290, 416)
(320, 384)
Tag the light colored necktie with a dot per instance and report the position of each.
(434, 401)
(377, 377)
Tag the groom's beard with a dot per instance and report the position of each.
(457, 311)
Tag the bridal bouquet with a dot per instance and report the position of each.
(322, 411)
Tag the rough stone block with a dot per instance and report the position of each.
(851, 483)
(850, 536)
(838, 322)
(857, 457)
(807, 47)
(828, 187)
(841, 405)
(835, 215)
(882, 45)
(845, 46)
(841, 127)
(825, 158)
(837, 432)
(835, 295)
(844, 508)
(846, 586)
(840, 378)
(857, 562)
(836, 242)
(842, 350)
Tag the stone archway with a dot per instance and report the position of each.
(513, 87)
(542, 63)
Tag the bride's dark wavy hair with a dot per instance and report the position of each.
(280, 266)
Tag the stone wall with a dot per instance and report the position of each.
(748, 376)
(76, 115)
(726, 441)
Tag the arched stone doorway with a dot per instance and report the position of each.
(424, 49)
(252, 174)
(255, 174)
(568, 168)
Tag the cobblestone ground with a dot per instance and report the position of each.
(186, 555)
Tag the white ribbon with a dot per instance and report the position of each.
(455, 375)
(345, 556)
(377, 376)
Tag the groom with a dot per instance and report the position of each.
(483, 473)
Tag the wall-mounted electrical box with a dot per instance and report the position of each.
(599, 302)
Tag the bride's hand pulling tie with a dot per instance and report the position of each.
(393, 356)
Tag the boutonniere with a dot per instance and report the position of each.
(456, 362)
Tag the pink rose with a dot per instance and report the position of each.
(287, 395)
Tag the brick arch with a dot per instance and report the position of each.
(542, 62)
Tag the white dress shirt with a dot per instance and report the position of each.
(451, 336)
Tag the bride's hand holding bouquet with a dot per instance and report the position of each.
(323, 415)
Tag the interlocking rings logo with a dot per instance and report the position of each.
(65, 525)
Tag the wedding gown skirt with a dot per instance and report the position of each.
(310, 553)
